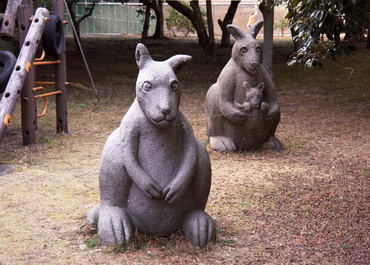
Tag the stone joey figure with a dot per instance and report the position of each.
(253, 98)
(229, 124)
(155, 175)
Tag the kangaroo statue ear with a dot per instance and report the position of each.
(255, 29)
(142, 55)
(236, 32)
(178, 61)
(246, 84)
(261, 86)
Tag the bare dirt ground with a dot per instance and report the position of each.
(308, 204)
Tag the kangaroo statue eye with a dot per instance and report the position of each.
(244, 49)
(258, 49)
(175, 85)
(147, 86)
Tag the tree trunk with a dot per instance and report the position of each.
(158, 9)
(200, 28)
(211, 33)
(77, 21)
(228, 19)
(144, 34)
(77, 37)
(296, 41)
(368, 27)
(77, 26)
(195, 16)
(268, 31)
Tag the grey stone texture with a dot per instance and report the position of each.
(155, 175)
(241, 107)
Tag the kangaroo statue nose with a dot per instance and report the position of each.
(254, 64)
(165, 110)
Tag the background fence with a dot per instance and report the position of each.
(122, 19)
(111, 19)
(107, 19)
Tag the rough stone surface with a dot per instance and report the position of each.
(241, 107)
(155, 175)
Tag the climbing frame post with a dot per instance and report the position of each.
(60, 79)
(22, 68)
(28, 102)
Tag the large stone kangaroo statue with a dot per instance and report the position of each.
(155, 175)
(230, 118)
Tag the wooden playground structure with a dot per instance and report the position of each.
(44, 28)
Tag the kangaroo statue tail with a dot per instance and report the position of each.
(93, 215)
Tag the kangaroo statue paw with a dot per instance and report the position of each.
(199, 228)
(273, 143)
(222, 144)
(114, 226)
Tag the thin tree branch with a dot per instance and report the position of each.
(183, 9)
(89, 12)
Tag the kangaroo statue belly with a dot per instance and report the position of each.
(155, 176)
(162, 161)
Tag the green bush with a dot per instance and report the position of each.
(176, 22)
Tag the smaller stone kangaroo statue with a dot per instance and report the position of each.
(155, 175)
(229, 123)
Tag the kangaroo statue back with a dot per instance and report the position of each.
(229, 119)
(155, 176)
